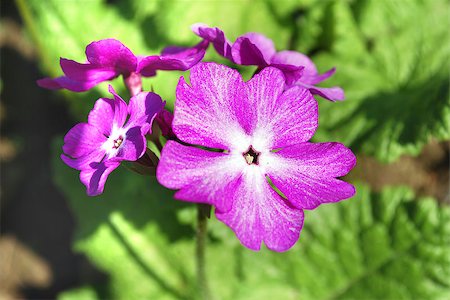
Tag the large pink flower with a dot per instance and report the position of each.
(263, 131)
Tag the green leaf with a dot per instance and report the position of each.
(391, 59)
(82, 293)
(374, 246)
(371, 247)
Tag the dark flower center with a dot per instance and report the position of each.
(251, 156)
(118, 142)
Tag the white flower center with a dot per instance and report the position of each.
(115, 142)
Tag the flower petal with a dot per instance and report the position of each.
(206, 113)
(333, 94)
(83, 162)
(120, 109)
(253, 49)
(283, 117)
(291, 73)
(133, 145)
(215, 36)
(174, 58)
(295, 58)
(259, 215)
(318, 77)
(306, 173)
(94, 177)
(142, 68)
(164, 119)
(82, 139)
(143, 108)
(202, 176)
(102, 115)
(64, 82)
(111, 53)
(86, 72)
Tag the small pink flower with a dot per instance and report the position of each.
(109, 58)
(256, 49)
(114, 132)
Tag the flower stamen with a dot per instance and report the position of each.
(251, 156)
(118, 142)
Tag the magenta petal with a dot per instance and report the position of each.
(284, 117)
(318, 77)
(133, 145)
(49, 83)
(111, 53)
(294, 58)
(202, 176)
(290, 72)
(164, 119)
(94, 177)
(205, 114)
(259, 215)
(64, 82)
(147, 66)
(262, 92)
(296, 118)
(86, 72)
(83, 139)
(306, 173)
(174, 58)
(102, 114)
(215, 36)
(144, 65)
(253, 49)
(143, 108)
(332, 94)
(120, 109)
(83, 162)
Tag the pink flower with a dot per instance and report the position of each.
(109, 58)
(256, 49)
(262, 130)
(114, 132)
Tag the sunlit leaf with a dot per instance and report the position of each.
(373, 246)
(392, 61)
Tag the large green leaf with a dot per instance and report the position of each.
(377, 246)
(374, 246)
(392, 60)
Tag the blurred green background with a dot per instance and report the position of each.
(390, 241)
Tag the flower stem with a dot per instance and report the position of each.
(202, 215)
(133, 82)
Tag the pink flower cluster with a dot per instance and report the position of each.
(242, 147)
